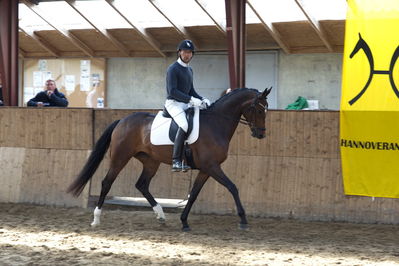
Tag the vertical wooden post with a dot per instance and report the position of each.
(236, 38)
(9, 51)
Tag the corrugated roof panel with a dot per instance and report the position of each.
(142, 12)
(101, 14)
(30, 21)
(184, 12)
(279, 11)
(64, 15)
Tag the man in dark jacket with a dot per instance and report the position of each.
(181, 95)
(50, 97)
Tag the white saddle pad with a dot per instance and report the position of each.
(160, 129)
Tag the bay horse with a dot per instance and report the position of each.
(130, 137)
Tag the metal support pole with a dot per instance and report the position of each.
(236, 38)
(9, 51)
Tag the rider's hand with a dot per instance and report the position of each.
(205, 103)
(195, 102)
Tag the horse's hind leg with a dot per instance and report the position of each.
(198, 184)
(217, 173)
(106, 184)
(150, 167)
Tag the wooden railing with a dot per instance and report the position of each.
(294, 172)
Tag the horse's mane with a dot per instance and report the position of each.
(227, 96)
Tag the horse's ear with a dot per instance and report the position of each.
(266, 92)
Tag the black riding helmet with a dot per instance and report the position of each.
(186, 45)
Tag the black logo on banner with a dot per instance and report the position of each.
(361, 44)
(370, 145)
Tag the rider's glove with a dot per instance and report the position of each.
(195, 102)
(205, 103)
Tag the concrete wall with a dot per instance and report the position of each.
(136, 82)
(140, 82)
(313, 76)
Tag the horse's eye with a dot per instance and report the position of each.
(260, 112)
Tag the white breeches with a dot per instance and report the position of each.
(176, 110)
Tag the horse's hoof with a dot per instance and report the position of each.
(94, 225)
(186, 229)
(244, 226)
(161, 220)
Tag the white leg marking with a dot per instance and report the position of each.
(96, 220)
(159, 212)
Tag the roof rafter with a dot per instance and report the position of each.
(21, 53)
(270, 28)
(102, 31)
(154, 43)
(218, 24)
(68, 34)
(43, 43)
(315, 25)
(179, 28)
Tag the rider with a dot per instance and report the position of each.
(181, 95)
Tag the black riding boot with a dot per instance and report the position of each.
(177, 164)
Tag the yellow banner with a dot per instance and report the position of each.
(369, 132)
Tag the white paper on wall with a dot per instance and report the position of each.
(70, 82)
(42, 65)
(37, 79)
(84, 75)
(46, 75)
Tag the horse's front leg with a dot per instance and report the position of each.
(217, 173)
(198, 184)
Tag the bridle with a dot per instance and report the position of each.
(253, 108)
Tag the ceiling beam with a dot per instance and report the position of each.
(155, 44)
(21, 53)
(270, 28)
(218, 24)
(315, 25)
(43, 43)
(102, 31)
(179, 28)
(66, 33)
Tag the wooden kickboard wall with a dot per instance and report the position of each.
(295, 172)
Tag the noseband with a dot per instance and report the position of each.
(252, 109)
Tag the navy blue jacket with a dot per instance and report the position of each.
(56, 99)
(179, 83)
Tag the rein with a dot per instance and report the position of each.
(243, 120)
(252, 108)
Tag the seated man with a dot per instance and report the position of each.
(49, 97)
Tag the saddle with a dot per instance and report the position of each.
(164, 129)
(174, 126)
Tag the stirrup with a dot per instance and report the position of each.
(185, 167)
(176, 165)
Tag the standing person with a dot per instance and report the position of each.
(181, 94)
(49, 97)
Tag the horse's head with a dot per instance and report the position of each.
(255, 114)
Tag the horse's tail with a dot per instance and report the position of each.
(95, 158)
